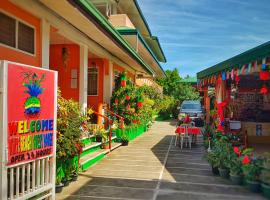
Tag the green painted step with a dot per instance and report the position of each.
(89, 159)
(88, 140)
(90, 148)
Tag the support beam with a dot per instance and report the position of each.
(108, 83)
(45, 28)
(83, 76)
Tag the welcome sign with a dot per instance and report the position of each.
(30, 113)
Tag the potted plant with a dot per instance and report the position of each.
(58, 180)
(105, 138)
(124, 140)
(223, 151)
(211, 158)
(265, 176)
(236, 172)
(252, 169)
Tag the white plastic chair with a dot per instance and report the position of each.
(185, 136)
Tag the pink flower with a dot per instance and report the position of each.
(246, 160)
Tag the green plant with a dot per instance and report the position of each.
(124, 138)
(252, 168)
(59, 175)
(223, 151)
(236, 166)
(212, 159)
(265, 174)
(104, 134)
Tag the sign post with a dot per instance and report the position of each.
(28, 103)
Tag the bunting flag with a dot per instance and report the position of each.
(263, 64)
(249, 68)
(255, 66)
(243, 70)
(232, 74)
(228, 75)
(223, 76)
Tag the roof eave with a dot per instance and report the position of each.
(246, 57)
(103, 22)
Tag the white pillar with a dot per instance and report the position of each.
(108, 84)
(83, 76)
(45, 42)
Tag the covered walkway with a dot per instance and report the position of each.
(151, 167)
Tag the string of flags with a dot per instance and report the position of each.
(235, 72)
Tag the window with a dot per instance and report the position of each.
(7, 30)
(93, 81)
(16, 34)
(26, 38)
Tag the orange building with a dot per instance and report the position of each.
(89, 42)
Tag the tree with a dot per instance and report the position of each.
(170, 82)
(176, 90)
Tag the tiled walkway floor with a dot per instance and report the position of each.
(151, 167)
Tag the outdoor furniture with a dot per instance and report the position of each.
(185, 132)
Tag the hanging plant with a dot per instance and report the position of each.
(124, 79)
(264, 75)
(128, 97)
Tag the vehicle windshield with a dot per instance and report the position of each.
(191, 106)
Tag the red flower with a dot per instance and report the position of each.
(246, 160)
(127, 97)
(236, 150)
(139, 104)
(264, 90)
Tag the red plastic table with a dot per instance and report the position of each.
(190, 130)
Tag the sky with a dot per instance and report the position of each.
(197, 34)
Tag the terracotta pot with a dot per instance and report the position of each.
(105, 146)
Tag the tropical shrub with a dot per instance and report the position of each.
(236, 162)
(252, 166)
(223, 151)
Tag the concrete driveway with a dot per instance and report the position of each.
(151, 167)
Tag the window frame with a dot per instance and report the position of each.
(93, 95)
(17, 20)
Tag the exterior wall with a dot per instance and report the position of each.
(121, 69)
(95, 101)
(14, 55)
(64, 73)
(148, 82)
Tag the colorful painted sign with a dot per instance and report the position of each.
(31, 112)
